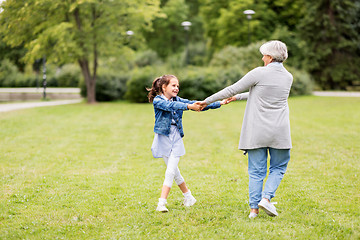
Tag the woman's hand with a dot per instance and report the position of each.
(228, 100)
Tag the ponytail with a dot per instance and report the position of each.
(154, 90)
(157, 84)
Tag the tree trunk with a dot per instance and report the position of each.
(89, 80)
(84, 64)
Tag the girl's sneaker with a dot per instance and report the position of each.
(161, 207)
(252, 215)
(189, 201)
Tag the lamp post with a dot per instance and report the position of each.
(249, 14)
(186, 25)
(44, 77)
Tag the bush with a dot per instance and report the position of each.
(302, 83)
(109, 86)
(68, 76)
(9, 74)
(246, 58)
(136, 87)
(199, 83)
(147, 58)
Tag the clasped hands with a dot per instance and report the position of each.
(200, 105)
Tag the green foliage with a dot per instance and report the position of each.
(9, 73)
(109, 86)
(74, 31)
(140, 80)
(68, 76)
(302, 82)
(333, 42)
(199, 83)
(246, 58)
(168, 36)
(147, 58)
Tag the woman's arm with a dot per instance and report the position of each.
(250, 79)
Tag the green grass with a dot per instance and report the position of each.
(86, 172)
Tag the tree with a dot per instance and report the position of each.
(331, 31)
(168, 34)
(74, 30)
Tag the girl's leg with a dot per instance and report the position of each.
(279, 159)
(171, 169)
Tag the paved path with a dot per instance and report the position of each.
(336, 94)
(16, 106)
(39, 90)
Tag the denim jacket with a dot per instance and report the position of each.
(166, 110)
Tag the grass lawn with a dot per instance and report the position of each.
(86, 172)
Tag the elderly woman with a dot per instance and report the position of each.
(266, 124)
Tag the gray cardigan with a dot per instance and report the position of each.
(266, 120)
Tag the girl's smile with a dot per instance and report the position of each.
(172, 89)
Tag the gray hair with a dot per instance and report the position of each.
(276, 49)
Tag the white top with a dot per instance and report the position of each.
(164, 145)
(266, 120)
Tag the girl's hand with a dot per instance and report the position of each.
(195, 106)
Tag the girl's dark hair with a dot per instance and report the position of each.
(157, 84)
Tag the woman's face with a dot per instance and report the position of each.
(266, 59)
(172, 89)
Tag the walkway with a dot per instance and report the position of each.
(16, 106)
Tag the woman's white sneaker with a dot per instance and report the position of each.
(268, 207)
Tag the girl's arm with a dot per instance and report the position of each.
(174, 105)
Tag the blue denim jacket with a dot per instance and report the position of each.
(166, 110)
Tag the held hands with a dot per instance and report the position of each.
(200, 105)
(195, 106)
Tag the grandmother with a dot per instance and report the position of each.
(266, 124)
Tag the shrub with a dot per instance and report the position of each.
(136, 87)
(109, 86)
(246, 58)
(9, 73)
(199, 83)
(68, 76)
(147, 58)
(302, 83)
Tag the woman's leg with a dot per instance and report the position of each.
(257, 160)
(279, 159)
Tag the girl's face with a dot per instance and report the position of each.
(266, 59)
(172, 89)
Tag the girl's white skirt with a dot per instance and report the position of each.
(164, 145)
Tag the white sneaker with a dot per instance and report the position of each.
(161, 207)
(252, 215)
(189, 201)
(268, 207)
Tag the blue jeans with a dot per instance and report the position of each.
(257, 169)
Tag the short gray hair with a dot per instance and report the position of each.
(276, 49)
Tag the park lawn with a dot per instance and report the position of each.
(86, 172)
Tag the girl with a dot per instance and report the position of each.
(168, 143)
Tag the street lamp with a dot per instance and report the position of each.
(186, 25)
(129, 33)
(44, 77)
(249, 14)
